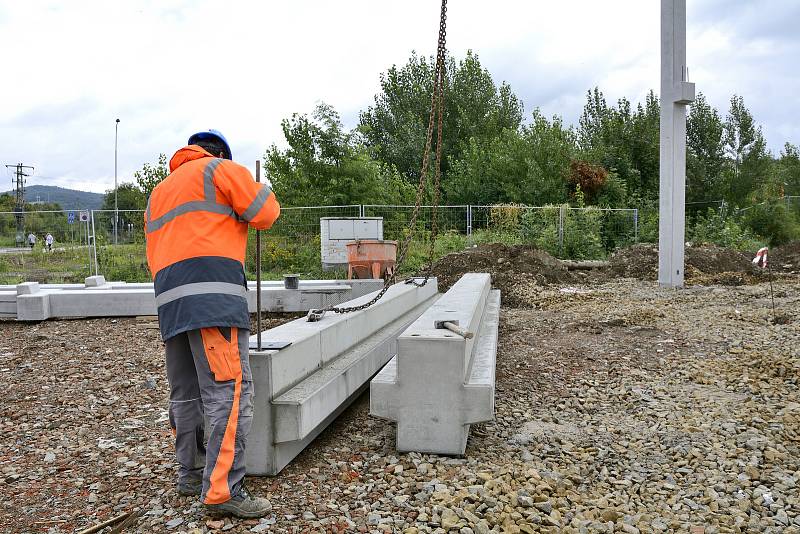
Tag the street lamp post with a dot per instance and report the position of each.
(116, 208)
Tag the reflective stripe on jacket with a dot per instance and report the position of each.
(196, 228)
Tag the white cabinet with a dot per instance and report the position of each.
(336, 232)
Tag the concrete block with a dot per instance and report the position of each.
(27, 288)
(102, 303)
(280, 299)
(95, 281)
(8, 304)
(301, 409)
(684, 93)
(33, 307)
(300, 389)
(440, 382)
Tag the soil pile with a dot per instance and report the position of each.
(704, 264)
(511, 267)
(786, 257)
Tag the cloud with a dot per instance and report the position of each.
(167, 68)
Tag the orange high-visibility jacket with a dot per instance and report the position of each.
(196, 228)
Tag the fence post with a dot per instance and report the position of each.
(89, 247)
(562, 209)
(635, 225)
(94, 245)
(469, 220)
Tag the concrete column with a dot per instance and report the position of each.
(676, 93)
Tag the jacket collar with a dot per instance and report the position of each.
(187, 153)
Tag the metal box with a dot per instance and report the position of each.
(336, 232)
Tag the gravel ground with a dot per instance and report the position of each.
(620, 407)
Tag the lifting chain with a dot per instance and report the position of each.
(437, 114)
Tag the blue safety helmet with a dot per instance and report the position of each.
(215, 135)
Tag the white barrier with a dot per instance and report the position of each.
(440, 382)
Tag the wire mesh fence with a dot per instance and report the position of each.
(397, 219)
(577, 233)
(129, 227)
(113, 243)
(292, 245)
(694, 209)
(25, 256)
(119, 250)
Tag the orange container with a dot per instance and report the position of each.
(371, 258)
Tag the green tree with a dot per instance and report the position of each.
(622, 140)
(490, 171)
(129, 197)
(788, 170)
(527, 166)
(475, 107)
(643, 139)
(151, 175)
(326, 165)
(705, 154)
(746, 149)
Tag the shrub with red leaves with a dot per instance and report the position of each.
(589, 176)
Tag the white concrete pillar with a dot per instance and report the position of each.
(676, 93)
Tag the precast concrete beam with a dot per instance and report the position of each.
(100, 298)
(302, 387)
(440, 382)
(676, 93)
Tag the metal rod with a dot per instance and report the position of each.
(94, 244)
(458, 330)
(771, 292)
(258, 270)
(116, 188)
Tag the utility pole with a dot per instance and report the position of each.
(19, 205)
(116, 208)
(676, 93)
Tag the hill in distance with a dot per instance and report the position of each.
(69, 199)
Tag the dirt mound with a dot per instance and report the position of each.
(704, 263)
(786, 257)
(510, 267)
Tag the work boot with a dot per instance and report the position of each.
(189, 487)
(243, 505)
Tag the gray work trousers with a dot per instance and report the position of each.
(209, 375)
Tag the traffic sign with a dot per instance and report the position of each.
(84, 216)
(71, 217)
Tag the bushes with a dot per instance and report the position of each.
(581, 237)
(774, 220)
(505, 217)
(539, 227)
(717, 228)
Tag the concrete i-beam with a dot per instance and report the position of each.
(31, 301)
(440, 383)
(676, 93)
(301, 388)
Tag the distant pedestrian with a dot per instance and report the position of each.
(31, 240)
(48, 241)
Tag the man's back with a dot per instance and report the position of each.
(196, 227)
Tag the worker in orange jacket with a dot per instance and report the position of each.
(196, 227)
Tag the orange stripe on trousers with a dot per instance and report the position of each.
(219, 491)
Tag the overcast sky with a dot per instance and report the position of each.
(167, 68)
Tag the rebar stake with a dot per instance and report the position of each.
(258, 271)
